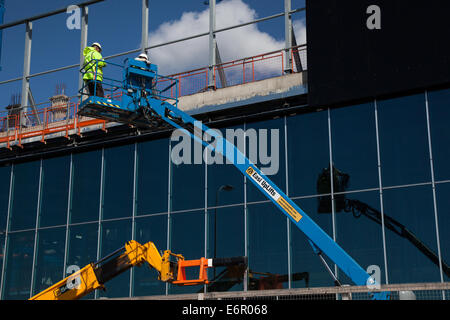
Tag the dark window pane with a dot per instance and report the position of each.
(308, 151)
(222, 174)
(358, 230)
(443, 209)
(404, 141)
(49, 258)
(82, 244)
(188, 174)
(306, 265)
(19, 262)
(265, 147)
(2, 251)
(82, 248)
(86, 186)
(118, 182)
(187, 235)
(152, 176)
(413, 209)
(114, 236)
(145, 278)
(267, 247)
(55, 191)
(25, 196)
(355, 145)
(5, 177)
(222, 222)
(440, 132)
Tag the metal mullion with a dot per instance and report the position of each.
(100, 210)
(206, 217)
(169, 202)
(333, 209)
(383, 234)
(133, 214)
(245, 280)
(11, 182)
(288, 222)
(69, 212)
(38, 213)
(436, 221)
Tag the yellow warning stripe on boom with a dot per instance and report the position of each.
(282, 202)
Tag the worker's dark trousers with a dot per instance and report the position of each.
(95, 88)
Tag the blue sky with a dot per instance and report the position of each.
(116, 24)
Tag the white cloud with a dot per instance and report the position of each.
(233, 44)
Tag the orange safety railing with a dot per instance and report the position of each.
(64, 118)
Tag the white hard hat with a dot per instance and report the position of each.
(144, 56)
(97, 44)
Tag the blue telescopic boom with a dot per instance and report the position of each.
(149, 102)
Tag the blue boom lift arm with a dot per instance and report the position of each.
(143, 103)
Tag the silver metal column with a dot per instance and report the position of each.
(83, 43)
(212, 43)
(145, 14)
(26, 69)
(287, 36)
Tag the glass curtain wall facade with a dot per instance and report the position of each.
(390, 157)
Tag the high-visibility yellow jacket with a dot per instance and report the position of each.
(90, 64)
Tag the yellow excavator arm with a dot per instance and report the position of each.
(95, 275)
(170, 268)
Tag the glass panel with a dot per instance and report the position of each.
(265, 147)
(307, 269)
(5, 177)
(188, 174)
(225, 181)
(55, 191)
(86, 186)
(118, 182)
(226, 233)
(145, 279)
(25, 196)
(358, 231)
(187, 234)
(440, 132)
(443, 208)
(82, 248)
(404, 141)
(114, 236)
(355, 145)
(267, 247)
(49, 258)
(82, 244)
(152, 176)
(19, 262)
(413, 209)
(308, 151)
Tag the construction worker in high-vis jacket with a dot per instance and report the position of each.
(93, 68)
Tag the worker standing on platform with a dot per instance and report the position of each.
(93, 68)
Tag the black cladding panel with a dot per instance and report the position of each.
(350, 60)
